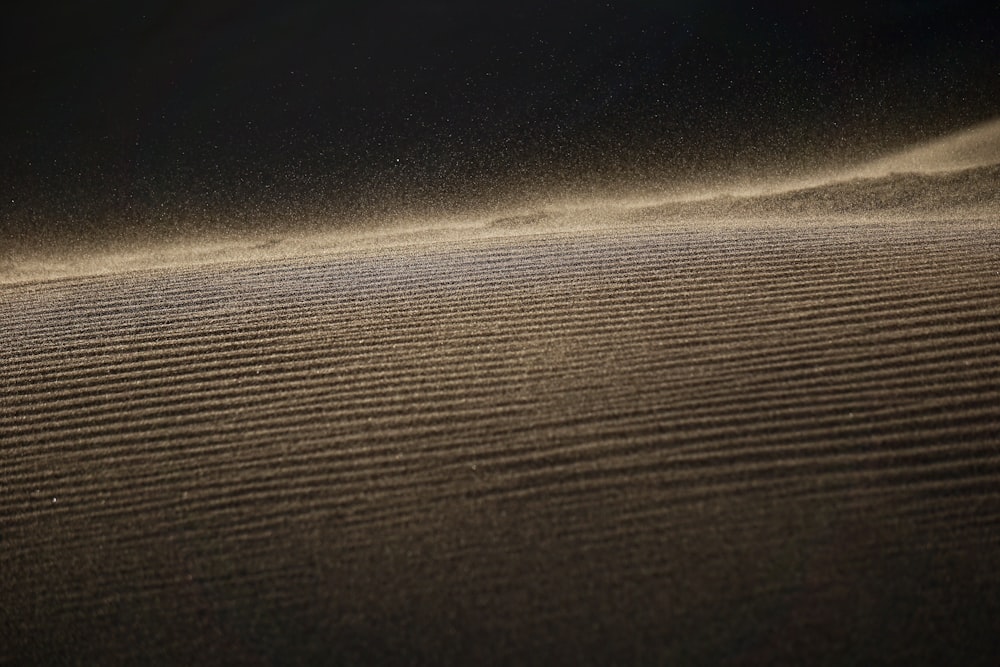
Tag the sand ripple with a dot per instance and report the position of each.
(716, 445)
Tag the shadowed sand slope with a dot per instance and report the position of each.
(716, 446)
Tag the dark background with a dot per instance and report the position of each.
(169, 117)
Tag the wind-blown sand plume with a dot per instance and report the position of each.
(971, 148)
(978, 146)
(961, 195)
(692, 433)
(953, 177)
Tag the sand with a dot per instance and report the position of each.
(952, 178)
(732, 429)
(728, 445)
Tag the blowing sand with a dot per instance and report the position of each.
(952, 178)
(718, 446)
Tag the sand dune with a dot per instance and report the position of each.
(741, 428)
(714, 445)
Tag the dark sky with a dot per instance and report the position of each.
(114, 110)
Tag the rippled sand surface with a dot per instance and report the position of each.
(718, 444)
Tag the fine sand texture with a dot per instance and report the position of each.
(711, 444)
